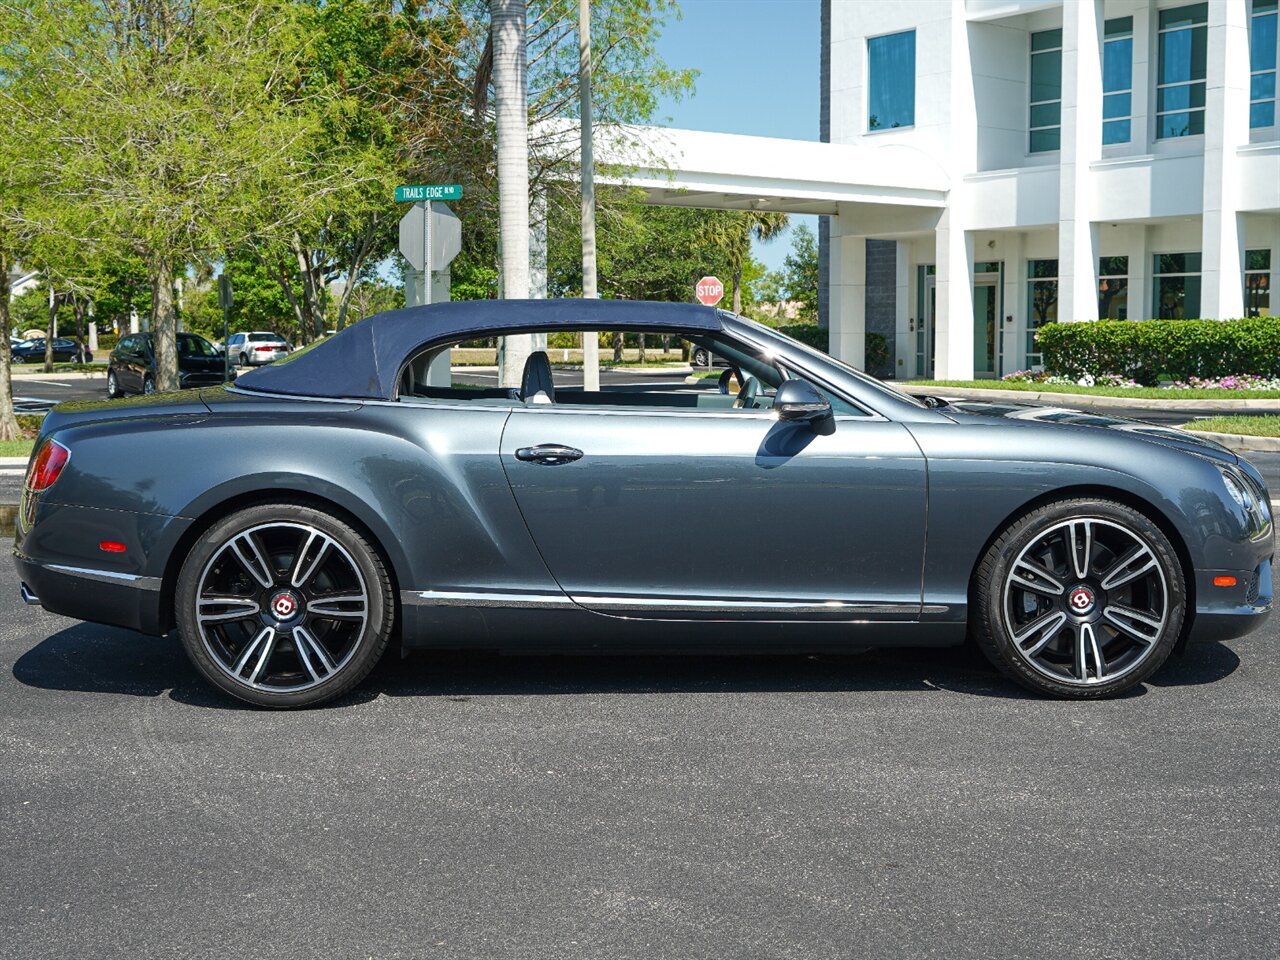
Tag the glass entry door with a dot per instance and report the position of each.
(928, 325)
(986, 325)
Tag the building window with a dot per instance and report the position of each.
(1117, 81)
(1257, 283)
(1180, 81)
(1113, 288)
(891, 78)
(1177, 285)
(1042, 303)
(1046, 91)
(1262, 64)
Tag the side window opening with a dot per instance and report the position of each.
(742, 379)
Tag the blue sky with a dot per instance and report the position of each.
(758, 63)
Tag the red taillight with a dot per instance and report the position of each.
(47, 465)
(263, 349)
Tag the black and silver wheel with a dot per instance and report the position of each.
(113, 385)
(701, 357)
(284, 606)
(1081, 599)
(148, 384)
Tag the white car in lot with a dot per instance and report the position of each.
(256, 347)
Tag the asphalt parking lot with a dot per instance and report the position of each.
(883, 805)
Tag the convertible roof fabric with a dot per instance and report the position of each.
(363, 360)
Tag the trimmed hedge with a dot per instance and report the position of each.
(1149, 350)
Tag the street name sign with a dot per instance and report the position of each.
(709, 290)
(430, 191)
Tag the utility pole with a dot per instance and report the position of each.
(590, 341)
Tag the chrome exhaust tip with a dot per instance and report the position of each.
(29, 598)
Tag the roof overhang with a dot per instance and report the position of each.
(696, 168)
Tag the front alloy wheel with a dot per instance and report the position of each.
(284, 606)
(1083, 598)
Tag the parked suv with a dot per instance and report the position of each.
(132, 366)
(256, 347)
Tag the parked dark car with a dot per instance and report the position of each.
(132, 365)
(293, 524)
(32, 351)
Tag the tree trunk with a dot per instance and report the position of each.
(8, 422)
(51, 330)
(642, 357)
(164, 326)
(617, 346)
(508, 24)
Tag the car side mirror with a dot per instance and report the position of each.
(799, 401)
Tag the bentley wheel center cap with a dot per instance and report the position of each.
(284, 606)
(1081, 600)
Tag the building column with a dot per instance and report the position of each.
(904, 342)
(953, 338)
(847, 332)
(1013, 334)
(1226, 129)
(1081, 146)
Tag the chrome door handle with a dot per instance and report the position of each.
(549, 454)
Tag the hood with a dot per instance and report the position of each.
(1168, 436)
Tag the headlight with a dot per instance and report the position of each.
(1257, 512)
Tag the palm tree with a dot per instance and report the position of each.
(507, 23)
(734, 234)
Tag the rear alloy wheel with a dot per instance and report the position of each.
(244, 361)
(148, 385)
(113, 385)
(284, 606)
(700, 357)
(1080, 599)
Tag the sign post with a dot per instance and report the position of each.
(430, 237)
(224, 301)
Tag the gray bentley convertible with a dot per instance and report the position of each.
(360, 492)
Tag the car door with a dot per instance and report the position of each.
(124, 366)
(715, 513)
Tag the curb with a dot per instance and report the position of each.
(1085, 399)
(1239, 442)
(14, 462)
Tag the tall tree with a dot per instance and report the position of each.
(176, 122)
(800, 271)
(736, 233)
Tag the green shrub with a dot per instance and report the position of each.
(1148, 350)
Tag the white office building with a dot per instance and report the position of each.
(994, 165)
(1105, 159)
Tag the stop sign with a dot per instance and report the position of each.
(709, 291)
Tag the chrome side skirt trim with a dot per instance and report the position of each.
(485, 598)
(614, 604)
(742, 606)
(107, 576)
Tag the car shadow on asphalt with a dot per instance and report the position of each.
(96, 659)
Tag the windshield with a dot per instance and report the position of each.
(769, 333)
(189, 345)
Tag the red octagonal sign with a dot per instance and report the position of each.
(710, 291)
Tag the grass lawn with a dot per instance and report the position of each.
(1247, 426)
(15, 448)
(1153, 393)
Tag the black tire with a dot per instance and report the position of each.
(148, 385)
(113, 385)
(212, 646)
(1073, 636)
(244, 361)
